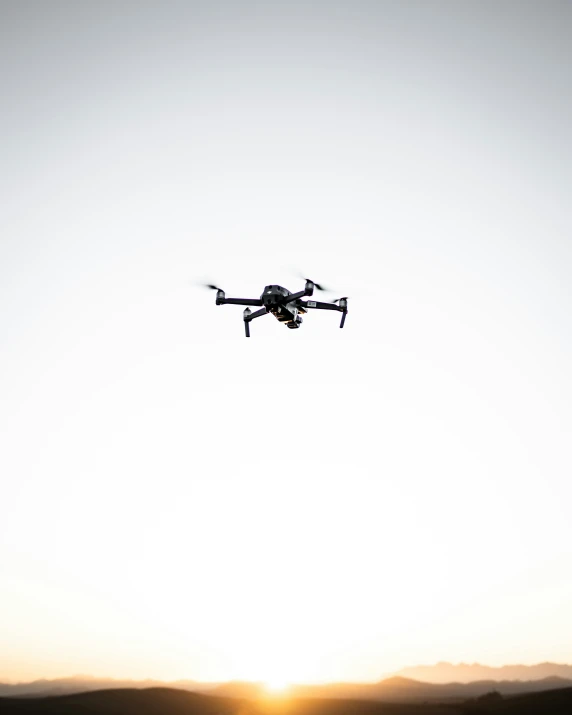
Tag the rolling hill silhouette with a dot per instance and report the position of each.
(399, 689)
(87, 683)
(170, 701)
(396, 689)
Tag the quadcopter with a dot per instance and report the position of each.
(285, 306)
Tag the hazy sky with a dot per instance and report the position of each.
(178, 501)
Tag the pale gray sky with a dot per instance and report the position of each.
(317, 504)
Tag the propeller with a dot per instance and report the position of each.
(337, 300)
(219, 292)
(316, 285)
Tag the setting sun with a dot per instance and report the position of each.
(276, 686)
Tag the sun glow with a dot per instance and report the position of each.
(276, 686)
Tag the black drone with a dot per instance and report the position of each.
(285, 306)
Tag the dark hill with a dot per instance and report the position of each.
(548, 702)
(150, 701)
(399, 689)
(396, 689)
(168, 701)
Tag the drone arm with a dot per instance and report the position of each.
(317, 305)
(239, 301)
(248, 316)
(257, 314)
(308, 291)
(294, 296)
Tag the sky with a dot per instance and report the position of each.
(309, 505)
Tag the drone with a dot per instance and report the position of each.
(285, 306)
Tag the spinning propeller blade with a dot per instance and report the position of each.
(316, 285)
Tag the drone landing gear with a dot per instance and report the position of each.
(248, 316)
(341, 308)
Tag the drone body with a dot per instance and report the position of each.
(285, 306)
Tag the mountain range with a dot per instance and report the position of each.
(464, 682)
(171, 701)
(465, 673)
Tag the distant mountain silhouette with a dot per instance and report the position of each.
(399, 689)
(170, 701)
(465, 673)
(396, 689)
(238, 689)
(87, 683)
